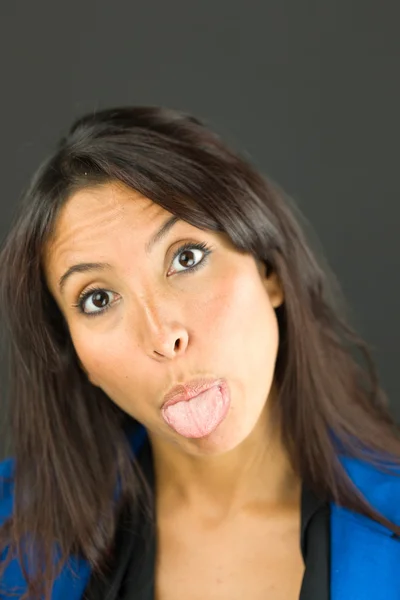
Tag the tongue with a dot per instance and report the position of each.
(197, 417)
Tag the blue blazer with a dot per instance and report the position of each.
(365, 556)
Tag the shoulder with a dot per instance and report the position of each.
(379, 485)
(72, 580)
(12, 576)
(6, 488)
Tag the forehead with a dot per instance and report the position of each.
(91, 212)
(102, 214)
(103, 205)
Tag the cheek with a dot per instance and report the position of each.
(243, 334)
(113, 365)
(98, 358)
(101, 349)
(241, 312)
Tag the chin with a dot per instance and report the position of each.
(224, 439)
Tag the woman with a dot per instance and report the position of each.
(189, 420)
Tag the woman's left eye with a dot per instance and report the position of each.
(190, 256)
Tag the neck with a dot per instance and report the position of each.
(257, 471)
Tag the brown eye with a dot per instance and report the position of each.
(187, 259)
(94, 302)
(100, 299)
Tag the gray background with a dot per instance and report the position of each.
(308, 90)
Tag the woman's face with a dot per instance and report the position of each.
(156, 321)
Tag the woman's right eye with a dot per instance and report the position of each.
(95, 301)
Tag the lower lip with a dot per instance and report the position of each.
(200, 416)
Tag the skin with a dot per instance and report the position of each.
(166, 326)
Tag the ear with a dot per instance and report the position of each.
(92, 381)
(272, 285)
(274, 289)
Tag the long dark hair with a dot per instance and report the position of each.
(70, 440)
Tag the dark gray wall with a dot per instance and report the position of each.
(309, 90)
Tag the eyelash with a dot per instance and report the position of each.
(187, 246)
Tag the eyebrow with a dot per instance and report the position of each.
(161, 233)
(88, 267)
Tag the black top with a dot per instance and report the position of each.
(131, 576)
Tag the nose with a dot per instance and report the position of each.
(163, 334)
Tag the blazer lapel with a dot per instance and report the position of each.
(365, 558)
(131, 572)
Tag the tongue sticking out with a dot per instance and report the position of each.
(199, 416)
